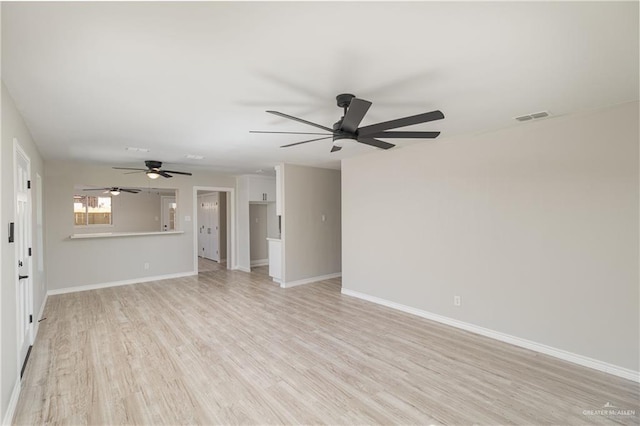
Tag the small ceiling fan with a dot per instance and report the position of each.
(346, 129)
(114, 190)
(154, 170)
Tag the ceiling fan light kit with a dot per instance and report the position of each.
(346, 129)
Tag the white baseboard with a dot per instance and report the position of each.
(119, 283)
(517, 341)
(260, 262)
(13, 402)
(288, 284)
(243, 269)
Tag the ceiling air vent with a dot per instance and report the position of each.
(535, 115)
(194, 157)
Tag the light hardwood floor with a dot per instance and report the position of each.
(228, 347)
(208, 265)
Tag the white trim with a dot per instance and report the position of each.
(288, 284)
(260, 262)
(232, 256)
(13, 402)
(39, 317)
(119, 283)
(243, 269)
(517, 341)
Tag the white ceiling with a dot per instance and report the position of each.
(193, 78)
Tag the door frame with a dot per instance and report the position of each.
(18, 150)
(231, 224)
(164, 198)
(208, 241)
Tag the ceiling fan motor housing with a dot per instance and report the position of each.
(153, 164)
(344, 100)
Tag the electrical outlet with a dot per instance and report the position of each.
(457, 301)
(146, 266)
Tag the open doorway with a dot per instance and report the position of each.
(213, 228)
(263, 224)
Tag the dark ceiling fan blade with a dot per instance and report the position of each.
(376, 143)
(164, 174)
(96, 189)
(288, 133)
(129, 168)
(300, 120)
(130, 173)
(355, 113)
(401, 122)
(311, 140)
(177, 173)
(335, 148)
(406, 135)
(132, 191)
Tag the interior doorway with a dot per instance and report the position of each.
(258, 252)
(263, 224)
(213, 228)
(22, 237)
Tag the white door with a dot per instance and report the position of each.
(22, 234)
(168, 213)
(209, 226)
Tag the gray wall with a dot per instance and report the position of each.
(72, 263)
(14, 127)
(535, 227)
(258, 231)
(242, 221)
(312, 247)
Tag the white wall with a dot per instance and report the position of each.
(273, 230)
(312, 247)
(535, 227)
(73, 263)
(13, 126)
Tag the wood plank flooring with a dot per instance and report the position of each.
(208, 265)
(228, 347)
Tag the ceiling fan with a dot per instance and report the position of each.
(346, 129)
(114, 190)
(154, 170)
